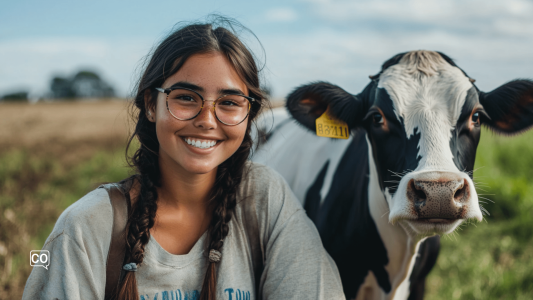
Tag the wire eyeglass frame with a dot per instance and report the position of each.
(169, 90)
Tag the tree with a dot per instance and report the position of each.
(17, 96)
(61, 88)
(84, 84)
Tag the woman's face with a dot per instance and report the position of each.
(212, 74)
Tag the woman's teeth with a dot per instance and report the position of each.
(200, 144)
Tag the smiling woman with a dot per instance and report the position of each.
(183, 145)
(203, 222)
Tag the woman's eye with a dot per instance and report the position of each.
(228, 103)
(377, 118)
(185, 98)
(475, 118)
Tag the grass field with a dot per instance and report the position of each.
(494, 258)
(52, 154)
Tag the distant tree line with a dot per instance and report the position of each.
(84, 84)
(16, 96)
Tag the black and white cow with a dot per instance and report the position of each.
(405, 173)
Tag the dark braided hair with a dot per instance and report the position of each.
(166, 60)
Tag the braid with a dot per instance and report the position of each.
(138, 235)
(143, 212)
(141, 220)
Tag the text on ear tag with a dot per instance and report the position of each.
(327, 126)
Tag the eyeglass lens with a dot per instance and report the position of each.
(229, 109)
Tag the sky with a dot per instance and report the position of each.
(342, 42)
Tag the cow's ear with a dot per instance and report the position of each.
(308, 102)
(509, 107)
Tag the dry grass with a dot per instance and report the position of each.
(25, 125)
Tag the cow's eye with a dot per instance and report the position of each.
(475, 118)
(377, 118)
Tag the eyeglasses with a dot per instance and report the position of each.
(185, 104)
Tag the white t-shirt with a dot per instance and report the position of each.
(296, 264)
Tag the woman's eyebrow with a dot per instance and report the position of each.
(188, 85)
(194, 87)
(231, 91)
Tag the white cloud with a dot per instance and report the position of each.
(487, 17)
(281, 14)
(349, 40)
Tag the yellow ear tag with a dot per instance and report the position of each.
(327, 126)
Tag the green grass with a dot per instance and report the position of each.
(494, 258)
(35, 187)
(488, 260)
(492, 261)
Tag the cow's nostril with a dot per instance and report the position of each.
(418, 190)
(461, 191)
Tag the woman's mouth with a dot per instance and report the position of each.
(200, 143)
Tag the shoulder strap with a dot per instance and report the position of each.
(252, 231)
(117, 248)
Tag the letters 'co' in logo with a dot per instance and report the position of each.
(40, 258)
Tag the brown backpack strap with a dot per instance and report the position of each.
(252, 231)
(117, 248)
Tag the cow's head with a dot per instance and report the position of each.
(422, 115)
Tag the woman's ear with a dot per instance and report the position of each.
(149, 105)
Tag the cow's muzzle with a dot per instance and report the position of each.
(439, 195)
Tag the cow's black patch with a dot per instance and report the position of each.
(425, 260)
(312, 197)
(465, 138)
(394, 152)
(347, 230)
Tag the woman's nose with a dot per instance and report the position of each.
(206, 119)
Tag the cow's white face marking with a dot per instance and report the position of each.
(428, 95)
(429, 104)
